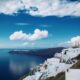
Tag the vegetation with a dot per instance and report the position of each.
(60, 76)
(77, 65)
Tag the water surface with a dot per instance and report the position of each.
(12, 67)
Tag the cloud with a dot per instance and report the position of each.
(75, 41)
(27, 44)
(38, 34)
(44, 7)
(10, 7)
(41, 7)
(22, 24)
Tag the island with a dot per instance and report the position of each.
(49, 52)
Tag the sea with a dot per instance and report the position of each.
(14, 66)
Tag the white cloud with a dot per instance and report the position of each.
(38, 34)
(25, 44)
(10, 7)
(22, 24)
(29, 44)
(75, 41)
(63, 44)
(45, 7)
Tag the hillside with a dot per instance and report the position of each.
(54, 68)
(61, 76)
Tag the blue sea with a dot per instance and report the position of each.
(12, 67)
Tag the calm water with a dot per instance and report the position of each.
(12, 67)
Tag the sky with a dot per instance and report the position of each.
(39, 24)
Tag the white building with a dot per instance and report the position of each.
(68, 54)
(52, 66)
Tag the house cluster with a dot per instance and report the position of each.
(52, 66)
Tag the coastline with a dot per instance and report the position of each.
(62, 71)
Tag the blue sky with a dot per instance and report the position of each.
(58, 28)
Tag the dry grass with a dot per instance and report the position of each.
(60, 76)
